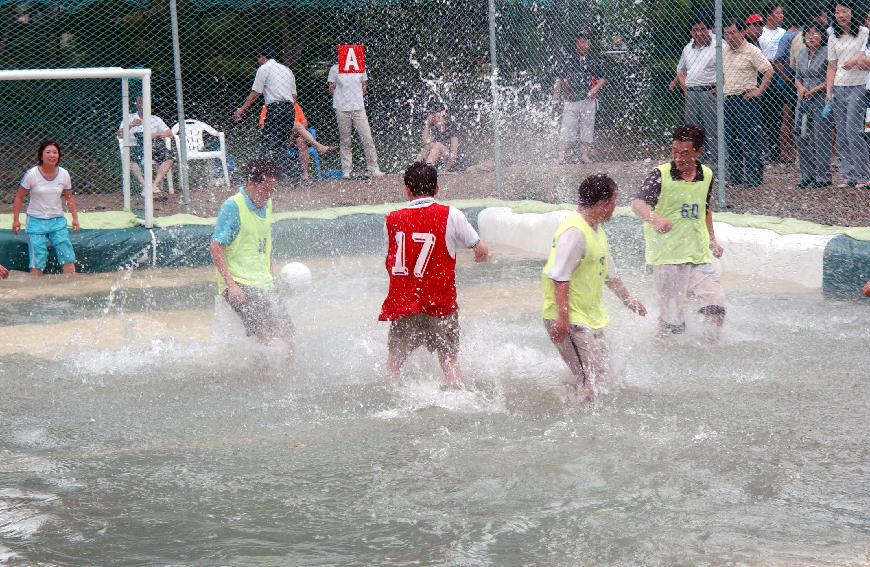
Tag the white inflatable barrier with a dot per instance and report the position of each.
(529, 232)
(758, 252)
(751, 252)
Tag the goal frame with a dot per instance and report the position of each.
(111, 73)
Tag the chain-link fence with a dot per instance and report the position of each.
(420, 55)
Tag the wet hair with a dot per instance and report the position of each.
(854, 24)
(820, 29)
(421, 179)
(595, 189)
(260, 169)
(699, 18)
(770, 8)
(689, 133)
(264, 51)
(45, 144)
(736, 22)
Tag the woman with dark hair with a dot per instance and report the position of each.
(846, 84)
(813, 132)
(46, 185)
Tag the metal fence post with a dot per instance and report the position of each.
(125, 140)
(496, 137)
(720, 111)
(179, 98)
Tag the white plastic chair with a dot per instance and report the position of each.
(169, 181)
(193, 130)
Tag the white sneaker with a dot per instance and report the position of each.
(376, 173)
(345, 175)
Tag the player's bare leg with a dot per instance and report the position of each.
(452, 372)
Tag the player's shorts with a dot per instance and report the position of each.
(262, 314)
(585, 352)
(437, 334)
(676, 283)
(43, 231)
(578, 121)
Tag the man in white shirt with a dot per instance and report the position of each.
(347, 91)
(772, 100)
(278, 86)
(696, 74)
(161, 155)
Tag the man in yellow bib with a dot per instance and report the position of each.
(576, 271)
(241, 249)
(674, 203)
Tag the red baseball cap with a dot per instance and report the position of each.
(754, 19)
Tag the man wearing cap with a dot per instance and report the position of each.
(578, 84)
(754, 28)
(278, 86)
(696, 74)
(741, 63)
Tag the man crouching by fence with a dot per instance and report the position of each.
(241, 250)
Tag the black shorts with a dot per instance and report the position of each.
(437, 334)
(159, 151)
(262, 314)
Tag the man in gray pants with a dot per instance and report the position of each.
(696, 74)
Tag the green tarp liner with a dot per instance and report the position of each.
(846, 266)
(116, 240)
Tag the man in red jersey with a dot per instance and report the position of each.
(421, 244)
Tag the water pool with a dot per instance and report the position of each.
(127, 437)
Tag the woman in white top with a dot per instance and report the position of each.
(47, 185)
(846, 86)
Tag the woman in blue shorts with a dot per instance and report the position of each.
(47, 185)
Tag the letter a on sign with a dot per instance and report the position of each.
(351, 58)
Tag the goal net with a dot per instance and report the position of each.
(80, 109)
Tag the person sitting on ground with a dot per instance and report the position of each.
(421, 244)
(576, 271)
(162, 156)
(301, 138)
(440, 141)
(47, 185)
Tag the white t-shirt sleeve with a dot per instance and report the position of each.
(159, 125)
(28, 179)
(260, 79)
(293, 84)
(681, 64)
(570, 250)
(332, 77)
(459, 232)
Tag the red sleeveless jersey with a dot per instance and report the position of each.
(421, 271)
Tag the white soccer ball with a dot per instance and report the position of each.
(296, 275)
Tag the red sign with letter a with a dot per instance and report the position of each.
(351, 58)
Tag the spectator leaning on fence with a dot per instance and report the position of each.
(577, 85)
(696, 74)
(813, 132)
(162, 156)
(771, 100)
(846, 85)
(47, 185)
(348, 99)
(741, 64)
(278, 86)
